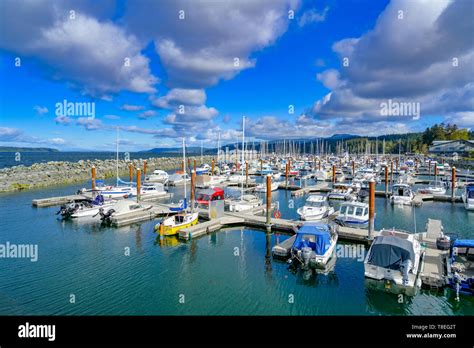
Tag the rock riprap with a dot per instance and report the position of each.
(61, 173)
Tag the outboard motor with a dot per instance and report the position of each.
(404, 269)
(106, 217)
(306, 255)
(67, 210)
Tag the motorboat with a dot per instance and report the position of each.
(171, 225)
(204, 181)
(159, 176)
(314, 245)
(203, 197)
(468, 196)
(245, 202)
(321, 175)
(353, 214)
(85, 208)
(264, 170)
(395, 257)
(435, 188)
(263, 186)
(341, 191)
(178, 179)
(120, 209)
(461, 267)
(402, 194)
(149, 190)
(204, 169)
(316, 208)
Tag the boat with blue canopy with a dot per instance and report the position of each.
(461, 267)
(314, 244)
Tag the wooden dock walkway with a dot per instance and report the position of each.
(434, 270)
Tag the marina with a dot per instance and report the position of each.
(279, 223)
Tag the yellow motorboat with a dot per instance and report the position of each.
(173, 224)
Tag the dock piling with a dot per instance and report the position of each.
(130, 172)
(213, 165)
(371, 208)
(453, 183)
(286, 176)
(333, 173)
(139, 184)
(386, 181)
(93, 177)
(193, 184)
(269, 202)
(144, 168)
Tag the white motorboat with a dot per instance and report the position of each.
(83, 209)
(316, 208)
(468, 197)
(321, 175)
(395, 257)
(341, 191)
(353, 214)
(263, 187)
(149, 190)
(178, 179)
(435, 188)
(159, 176)
(120, 209)
(402, 194)
(236, 179)
(204, 169)
(314, 245)
(245, 202)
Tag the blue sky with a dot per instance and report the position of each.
(158, 77)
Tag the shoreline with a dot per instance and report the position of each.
(54, 173)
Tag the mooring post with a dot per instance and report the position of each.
(319, 164)
(386, 181)
(213, 164)
(182, 166)
(261, 167)
(194, 165)
(144, 168)
(286, 176)
(396, 162)
(193, 184)
(453, 183)
(333, 174)
(130, 172)
(371, 208)
(93, 179)
(353, 168)
(436, 171)
(269, 202)
(429, 167)
(246, 173)
(139, 184)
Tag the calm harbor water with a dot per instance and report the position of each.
(90, 262)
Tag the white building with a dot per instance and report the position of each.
(444, 147)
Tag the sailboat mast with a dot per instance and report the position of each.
(184, 167)
(117, 160)
(243, 154)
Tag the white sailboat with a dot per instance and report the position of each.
(247, 201)
(171, 225)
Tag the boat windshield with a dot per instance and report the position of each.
(315, 204)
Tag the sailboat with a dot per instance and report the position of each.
(247, 201)
(170, 226)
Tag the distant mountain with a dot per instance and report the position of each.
(179, 150)
(342, 137)
(26, 149)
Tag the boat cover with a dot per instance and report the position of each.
(464, 243)
(321, 242)
(391, 252)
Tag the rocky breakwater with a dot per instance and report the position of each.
(54, 173)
